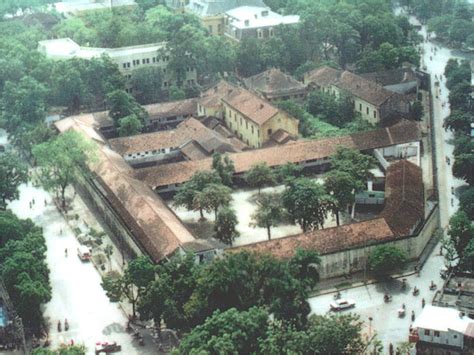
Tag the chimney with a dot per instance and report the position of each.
(247, 23)
(264, 13)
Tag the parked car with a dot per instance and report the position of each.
(342, 304)
(84, 253)
(107, 348)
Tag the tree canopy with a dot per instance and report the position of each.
(385, 259)
(13, 172)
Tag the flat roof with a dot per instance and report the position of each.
(256, 16)
(442, 319)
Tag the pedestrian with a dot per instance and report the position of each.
(60, 231)
(45, 203)
(59, 326)
(412, 316)
(65, 252)
(390, 349)
(33, 201)
(30, 205)
(452, 202)
(422, 303)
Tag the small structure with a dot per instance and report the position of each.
(371, 100)
(439, 329)
(273, 85)
(73, 7)
(253, 21)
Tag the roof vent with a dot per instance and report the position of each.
(264, 13)
(247, 23)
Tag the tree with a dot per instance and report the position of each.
(137, 277)
(459, 121)
(385, 259)
(212, 197)
(230, 331)
(259, 175)
(460, 96)
(288, 171)
(342, 186)
(353, 162)
(225, 226)
(187, 193)
(13, 173)
(249, 58)
(60, 159)
(147, 82)
(460, 232)
(417, 111)
(129, 126)
(23, 103)
(303, 265)
(463, 167)
(175, 93)
(224, 167)
(307, 203)
(269, 212)
(108, 251)
(466, 202)
(121, 104)
(62, 350)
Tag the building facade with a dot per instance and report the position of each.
(255, 21)
(126, 58)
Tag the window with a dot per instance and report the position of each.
(219, 28)
(252, 129)
(241, 123)
(143, 61)
(375, 114)
(148, 61)
(367, 110)
(154, 59)
(427, 332)
(258, 132)
(247, 124)
(270, 32)
(124, 65)
(455, 336)
(259, 33)
(436, 333)
(360, 107)
(269, 131)
(210, 29)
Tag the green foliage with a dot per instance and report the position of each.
(230, 331)
(356, 164)
(225, 225)
(175, 93)
(62, 350)
(269, 212)
(460, 96)
(122, 104)
(416, 111)
(13, 172)
(23, 267)
(460, 232)
(129, 126)
(385, 259)
(259, 175)
(60, 159)
(212, 197)
(132, 285)
(224, 167)
(335, 110)
(147, 82)
(459, 121)
(466, 202)
(287, 172)
(307, 203)
(463, 167)
(303, 265)
(457, 72)
(387, 57)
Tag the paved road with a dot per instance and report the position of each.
(77, 294)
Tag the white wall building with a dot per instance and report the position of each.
(444, 327)
(253, 21)
(126, 58)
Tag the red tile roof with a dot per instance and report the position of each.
(294, 152)
(324, 241)
(274, 82)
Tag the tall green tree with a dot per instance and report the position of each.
(138, 275)
(122, 104)
(225, 226)
(259, 175)
(463, 167)
(129, 126)
(269, 212)
(386, 259)
(342, 186)
(147, 83)
(60, 159)
(460, 232)
(307, 203)
(13, 172)
(459, 121)
(303, 265)
(212, 197)
(224, 166)
(466, 202)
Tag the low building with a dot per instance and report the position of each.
(274, 85)
(191, 140)
(210, 102)
(126, 58)
(211, 12)
(73, 7)
(255, 120)
(457, 292)
(371, 100)
(439, 330)
(255, 22)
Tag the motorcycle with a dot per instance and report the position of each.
(416, 291)
(387, 298)
(404, 284)
(432, 286)
(337, 295)
(66, 325)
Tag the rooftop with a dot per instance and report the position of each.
(358, 86)
(205, 8)
(324, 241)
(191, 129)
(256, 16)
(443, 319)
(250, 105)
(65, 48)
(274, 82)
(157, 228)
(212, 97)
(294, 152)
(404, 197)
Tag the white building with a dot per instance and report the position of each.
(443, 327)
(253, 21)
(73, 7)
(127, 58)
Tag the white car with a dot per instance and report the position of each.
(339, 305)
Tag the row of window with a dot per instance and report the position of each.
(136, 62)
(252, 127)
(152, 152)
(367, 110)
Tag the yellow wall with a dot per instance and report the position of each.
(251, 133)
(214, 24)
